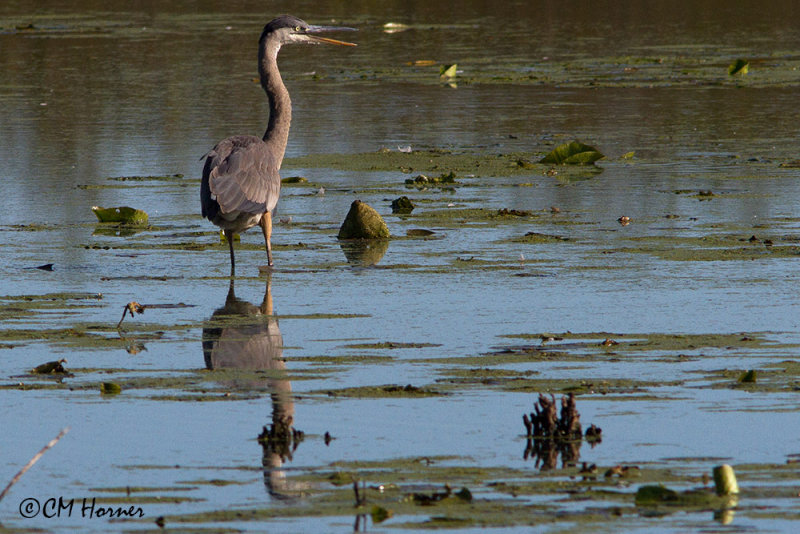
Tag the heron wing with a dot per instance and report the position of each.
(240, 175)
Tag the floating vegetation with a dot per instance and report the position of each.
(748, 377)
(537, 238)
(376, 392)
(391, 345)
(448, 71)
(121, 215)
(422, 181)
(110, 388)
(161, 178)
(738, 67)
(427, 162)
(574, 153)
(402, 205)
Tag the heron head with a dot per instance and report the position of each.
(287, 29)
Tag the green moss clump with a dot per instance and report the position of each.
(363, 222)
(402, 205)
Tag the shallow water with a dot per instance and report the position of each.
(94, 92)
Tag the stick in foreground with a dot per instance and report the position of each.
(33, 461)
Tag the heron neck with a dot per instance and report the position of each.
(280, 106)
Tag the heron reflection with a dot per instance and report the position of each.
(243, 336)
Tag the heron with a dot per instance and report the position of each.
(241, 175)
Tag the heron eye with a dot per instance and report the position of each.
(297, 28)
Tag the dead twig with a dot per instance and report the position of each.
(33, 461)
(134, 307)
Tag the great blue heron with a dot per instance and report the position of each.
(241, 181)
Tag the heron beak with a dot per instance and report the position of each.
(327, 40)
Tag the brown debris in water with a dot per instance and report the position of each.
(134, 307)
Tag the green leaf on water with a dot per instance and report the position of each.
(748, 377)
(655, 495)
(574, 153)
(121, 214)
(448, 71)
(740, 66)
(110, 388)
(380, 514)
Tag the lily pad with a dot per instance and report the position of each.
(740, 66)
(448, 71)
(121, 214)
(574, 153)
(110, 388)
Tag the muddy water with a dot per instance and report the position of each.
(698, 288)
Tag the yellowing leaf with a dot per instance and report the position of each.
(740, 66)
(448, 71)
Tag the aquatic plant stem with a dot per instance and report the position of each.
(33, 461)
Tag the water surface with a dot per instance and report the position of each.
(101, 90)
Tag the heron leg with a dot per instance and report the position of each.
(229, 237)
(266, 227)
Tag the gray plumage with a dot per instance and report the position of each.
(241, 177)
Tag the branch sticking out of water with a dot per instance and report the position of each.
(550, 434)
(33, 461)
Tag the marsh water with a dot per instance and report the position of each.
(419, 355)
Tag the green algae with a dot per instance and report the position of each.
(630, 388)
(535, 238)
(649, 342)
(573, 153)
(459, 216)
(382, 392)
(146, 489)
(17, 306)
(390, 345)
(774, 377)
(420, 493)
(714, 247)
(121, 215)
(441, 162)
(178, 178)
